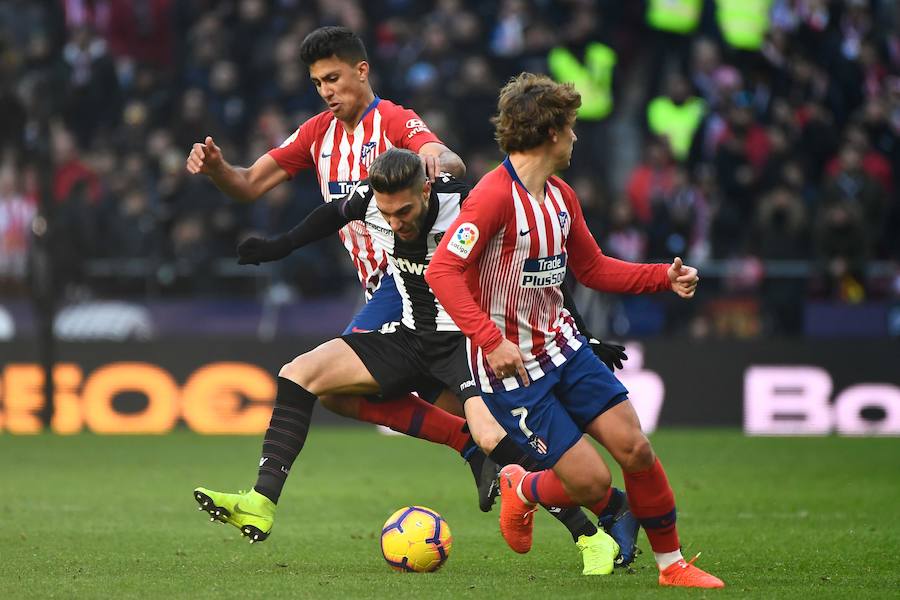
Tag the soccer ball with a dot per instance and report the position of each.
(416, 539)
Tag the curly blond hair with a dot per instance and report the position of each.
(530, 106)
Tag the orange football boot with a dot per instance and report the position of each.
(685, 574)
(516, 516)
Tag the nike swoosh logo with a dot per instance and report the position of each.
(326, 155)
(238, 510)
(525, 232)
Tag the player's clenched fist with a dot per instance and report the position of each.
(506, 361)
(684, 279)
(204, 158)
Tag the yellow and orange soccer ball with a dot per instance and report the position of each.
(416, 539)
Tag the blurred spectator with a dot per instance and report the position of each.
(625, 239)
(92, 89)
(676, 116)
(651, 180)
(782, 121)
(780, 233)
(851, 186)
(842, 248)
(16, 214)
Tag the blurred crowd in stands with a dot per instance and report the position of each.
(737, 131)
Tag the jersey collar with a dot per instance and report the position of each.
(369, 109)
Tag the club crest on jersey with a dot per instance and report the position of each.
(463, 240)
(438, 237)
(537, 443)
(547, 271)
(563, 219)
(367, 154)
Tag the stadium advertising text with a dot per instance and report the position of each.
(773, 388)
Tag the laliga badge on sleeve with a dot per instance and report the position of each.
(463, 240)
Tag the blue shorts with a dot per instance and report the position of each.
(385, 306)
(549, 416)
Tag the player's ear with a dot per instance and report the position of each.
(426, 190)
(362, 70)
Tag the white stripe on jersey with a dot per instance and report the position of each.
(502, 270)
(370, 262)
(383, 240)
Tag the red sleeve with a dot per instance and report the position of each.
(600, 272)
(453, 271)
(295, 153)
(406, 129)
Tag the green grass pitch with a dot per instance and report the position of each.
(89, 516)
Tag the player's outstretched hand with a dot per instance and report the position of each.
(254, 250)
(611, 355)
(684, 279)
(205, 158)
(506, 361)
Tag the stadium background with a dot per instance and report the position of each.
(759, 141)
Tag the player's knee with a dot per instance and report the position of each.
(487, 438)
(638, 456)
(298, 371)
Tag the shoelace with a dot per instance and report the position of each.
(529, 515)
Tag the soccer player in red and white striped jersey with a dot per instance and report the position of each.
(340, 144)
(498, 272)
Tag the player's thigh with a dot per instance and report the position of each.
(446, 400)
(587, 388)
(391, 358)
(583, 472)
(619, 430)
(330, 369)
(535, 419)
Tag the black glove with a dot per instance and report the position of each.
(253, 251)
(611, 355)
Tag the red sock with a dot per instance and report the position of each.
(546, 488)
(653, 503)
(413, 416)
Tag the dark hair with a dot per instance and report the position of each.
(329, 41)
(529, 107)
(395, 170)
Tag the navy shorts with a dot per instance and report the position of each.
(385, 306)
(549, 416)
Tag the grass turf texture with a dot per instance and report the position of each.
(90, 516)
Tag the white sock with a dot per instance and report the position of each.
(665, 559)
(522, 495)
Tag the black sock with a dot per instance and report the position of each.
(285, 437)
(476, 462)
(508, 452)
(574, 519)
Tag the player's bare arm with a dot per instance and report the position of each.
(438, 157)
(239, 183)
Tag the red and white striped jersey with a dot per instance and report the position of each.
(342, 159)
(498, 272)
